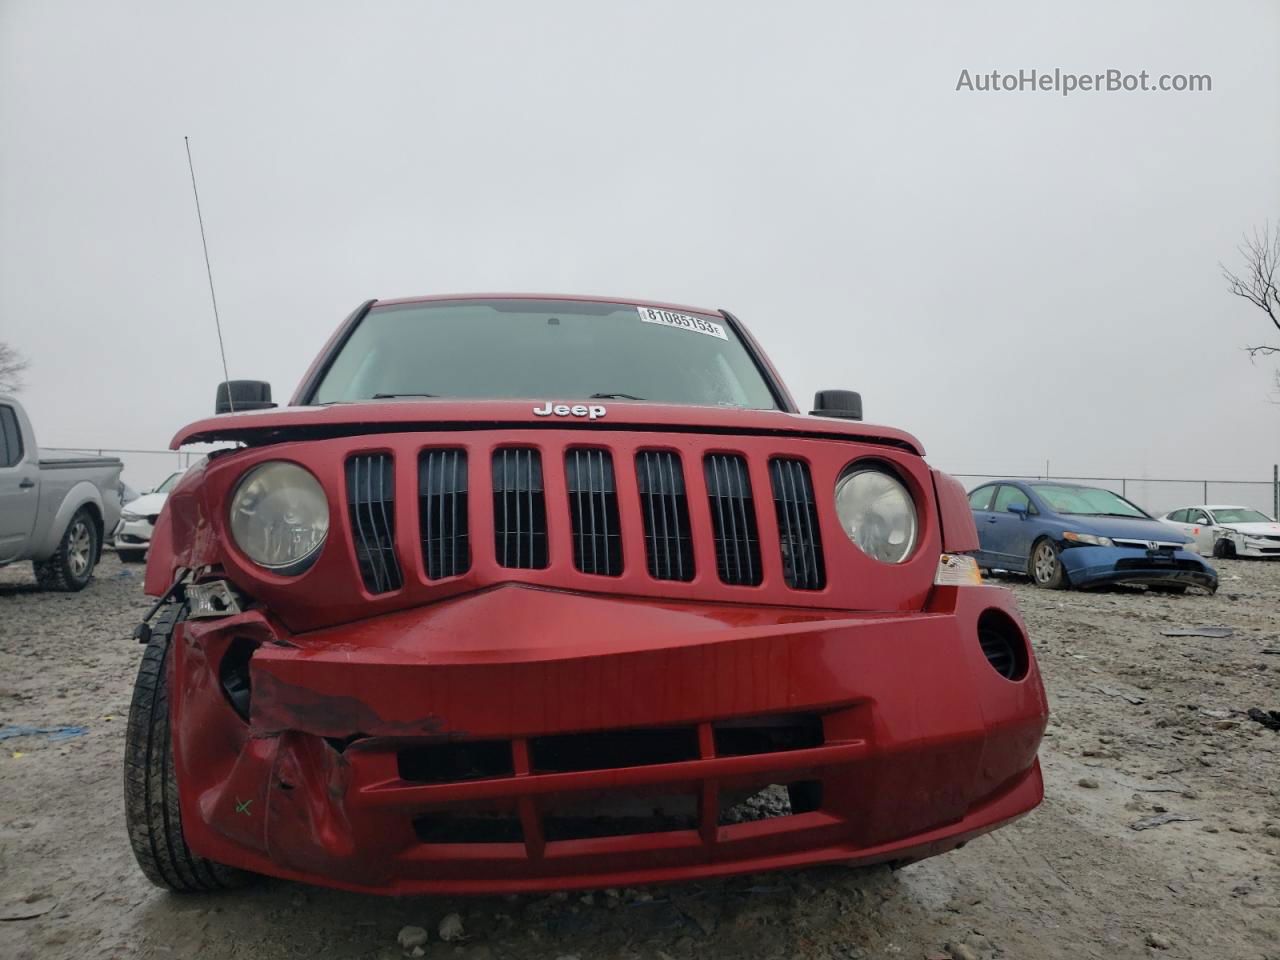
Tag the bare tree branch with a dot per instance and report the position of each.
(12, 365)
(1259, 282)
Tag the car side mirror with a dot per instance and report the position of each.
(236, 396)
(1019, 507)
(845, 404)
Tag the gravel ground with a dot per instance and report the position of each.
(1074, 879)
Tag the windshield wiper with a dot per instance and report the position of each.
(614, 396)
(393, 396)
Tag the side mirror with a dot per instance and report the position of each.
(837, 403)
(236, 396)
(1019, 507)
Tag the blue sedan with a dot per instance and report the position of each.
(1063, 535)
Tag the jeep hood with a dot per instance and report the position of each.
(402, 416)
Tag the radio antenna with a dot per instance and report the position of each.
(213, 297)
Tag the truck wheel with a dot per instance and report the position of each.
(71, 566)
(1046, 566)
(151, 809)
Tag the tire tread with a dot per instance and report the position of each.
(153, 815)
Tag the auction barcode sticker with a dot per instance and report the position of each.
(681, 321)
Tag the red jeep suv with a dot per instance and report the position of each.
(536, 592)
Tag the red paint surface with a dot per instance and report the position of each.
(331, 591)
(923, 745)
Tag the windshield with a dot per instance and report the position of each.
(539, 349)
(1240, 515)
(169, 483)
(1086, 500)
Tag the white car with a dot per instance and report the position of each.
(1228, 531)
(138, 520)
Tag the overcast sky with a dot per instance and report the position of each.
(1012, 276)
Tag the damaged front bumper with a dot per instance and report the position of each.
(521, 739)
(1095, 566)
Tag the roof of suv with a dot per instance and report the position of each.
(547, 296)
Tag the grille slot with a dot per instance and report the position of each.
(799, 537)
(455, 762)
(602, 749)
(593, 510)
(668, 542)
(371, 505)
(733, 517)
(519, 508)
(442, 513)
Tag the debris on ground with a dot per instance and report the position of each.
(27, 908)
(1158, 941)
(1218, 633)
(410, 937)
(1268, 718)
(451, 928)
(1089, 783)
(54, 734)
(1160, 820)
(1131, 697)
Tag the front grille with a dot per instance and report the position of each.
(442, 512)
(593, 511)
(733, 518)
(799, 537)
(1163, 545)
(371, 506)
(519, 508)
(668, 542)
(590, 506)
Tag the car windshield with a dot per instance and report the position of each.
(169, 483)
(1240, 515)
(540, 349)
(1087, 500)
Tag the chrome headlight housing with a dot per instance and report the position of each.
(877, 513)
(279, 517)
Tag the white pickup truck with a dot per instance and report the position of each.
(54, 508)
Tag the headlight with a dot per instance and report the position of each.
(1088, 539)
(129, 515)
(877, 513)
(280, 517)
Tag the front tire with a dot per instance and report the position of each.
(131, 556)
(152, 813)
(71, 566)
(1224, 549)
(1045, 566)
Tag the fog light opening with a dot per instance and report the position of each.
(1003, 644)
(233, 674)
